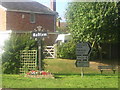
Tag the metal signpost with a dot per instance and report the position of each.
(38, 34)
(83, 51)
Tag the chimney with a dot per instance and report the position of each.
(53, 5)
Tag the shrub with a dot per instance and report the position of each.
(10, 57)
(67, 50)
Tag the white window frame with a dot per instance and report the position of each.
(32, 18)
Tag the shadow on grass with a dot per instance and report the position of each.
(63, 75)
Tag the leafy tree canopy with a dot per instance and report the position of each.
(93, 21)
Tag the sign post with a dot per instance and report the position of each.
(83, 51)
(38, 34)
(82, 73)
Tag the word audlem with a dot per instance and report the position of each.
(39, 34)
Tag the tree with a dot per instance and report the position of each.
(96, 22)
(93, 22)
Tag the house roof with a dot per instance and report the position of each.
(32, 6)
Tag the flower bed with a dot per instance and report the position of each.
(39, 74)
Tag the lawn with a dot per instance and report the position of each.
(66, 76)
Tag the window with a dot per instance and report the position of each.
(32, 18)
(23, 16)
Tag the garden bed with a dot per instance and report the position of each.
(39, 74)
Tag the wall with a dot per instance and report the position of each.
(16, 22)
(50, 40)
(2, 19)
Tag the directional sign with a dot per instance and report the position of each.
(82, 63)
(83, 48)
(82, 58)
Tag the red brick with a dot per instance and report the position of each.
(16, 22)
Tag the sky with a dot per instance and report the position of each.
(60, 7)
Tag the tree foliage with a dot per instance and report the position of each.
(93, 21)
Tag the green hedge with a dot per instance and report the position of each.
(11, 55)
(67, 50)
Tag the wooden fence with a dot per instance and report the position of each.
(50, 51)
(28, 60)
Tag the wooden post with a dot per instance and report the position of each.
(39, 55)
(55, 50)
(38, 34)
(82, 72)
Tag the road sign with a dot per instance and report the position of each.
(82, 63)
(82, 58)
(83, 48)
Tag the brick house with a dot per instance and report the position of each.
(26, 16)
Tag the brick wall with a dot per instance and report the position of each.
(16, 22)
(50, 40)
(2, 19)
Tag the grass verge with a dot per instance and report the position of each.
(66, 76)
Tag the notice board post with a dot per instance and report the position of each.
(83, 51)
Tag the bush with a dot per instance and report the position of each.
(11, 55)
(67, 50)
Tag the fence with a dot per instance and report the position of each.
(50, 51)
(28, 60)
